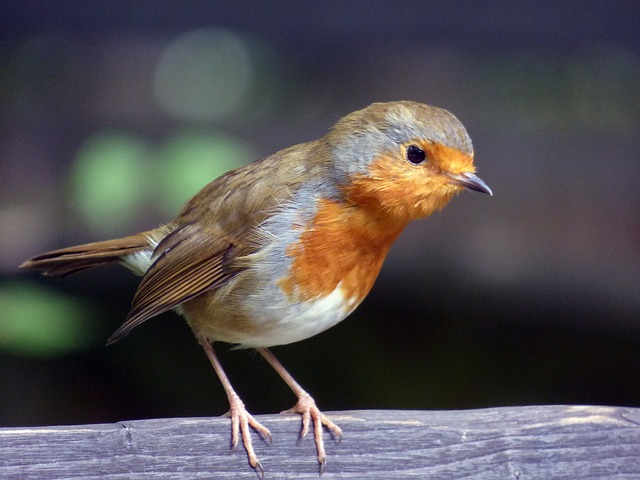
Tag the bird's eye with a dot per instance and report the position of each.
(416, 155)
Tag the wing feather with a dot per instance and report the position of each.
(189, 261)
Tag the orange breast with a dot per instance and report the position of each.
(343, 245)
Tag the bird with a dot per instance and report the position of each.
(281, 249)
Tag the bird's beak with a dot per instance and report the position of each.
(470, 181)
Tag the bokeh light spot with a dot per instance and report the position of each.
(203, 75)
(189, 160)
(37, 321)
(107, 181)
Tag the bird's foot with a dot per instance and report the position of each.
(306, 407)
(241, 420)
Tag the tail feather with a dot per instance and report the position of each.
(67, 261)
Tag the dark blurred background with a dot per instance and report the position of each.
(112, 114)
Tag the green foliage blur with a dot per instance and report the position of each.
(116, 176)
(41, 322)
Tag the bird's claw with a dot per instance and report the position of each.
(241, 420)
(306, 407)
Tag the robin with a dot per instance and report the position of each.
(288, 246)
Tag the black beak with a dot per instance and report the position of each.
(471, 182)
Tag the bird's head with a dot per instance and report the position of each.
(403, 160)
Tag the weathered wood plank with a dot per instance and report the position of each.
(535, 442)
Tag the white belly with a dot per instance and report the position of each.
(289, 324)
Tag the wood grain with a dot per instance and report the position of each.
(533, 442)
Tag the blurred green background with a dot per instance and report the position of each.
(112, 114)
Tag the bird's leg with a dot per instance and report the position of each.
(241, 420)
(306, 407)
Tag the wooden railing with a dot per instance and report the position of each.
(533, 442)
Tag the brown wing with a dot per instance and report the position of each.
(189, 262)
